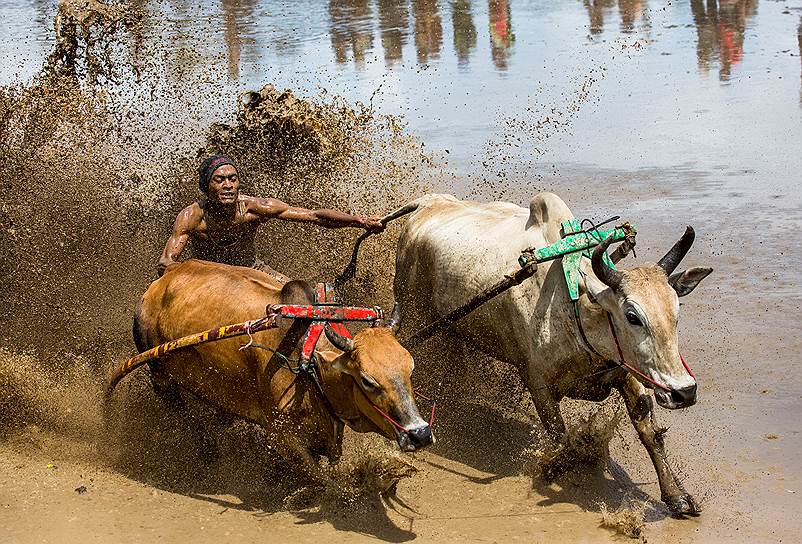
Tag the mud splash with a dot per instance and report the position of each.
(89, 189)
(60, 398)
(627, 519)
(88, 192)
(589, 430)
(86, 39)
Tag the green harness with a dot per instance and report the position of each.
(574, 244)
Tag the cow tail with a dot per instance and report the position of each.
(141, 343)
(410, 207)
(400, 212)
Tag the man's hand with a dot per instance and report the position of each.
(371, 223)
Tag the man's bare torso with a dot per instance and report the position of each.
(222, 226)
(224, 240)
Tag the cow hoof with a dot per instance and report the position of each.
(683, 505)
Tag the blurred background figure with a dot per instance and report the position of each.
(631, 12)
(464, 31)
(596, 10)
(351, 30)
(501, 36)
(720, 28)
(428, 30)
(394, 28)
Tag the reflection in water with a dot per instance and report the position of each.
(720, 28)
(501, 36)
(231, 34)
(630, 12)
(183, 54)
(464, 30)
(136, 46)
(596, 9)
(393, 24)
(428, 30)
(351, 29)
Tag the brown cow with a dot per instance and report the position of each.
(370, 371)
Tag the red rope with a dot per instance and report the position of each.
(686, 367)
(391, 420)
(635, 370)
(398, 425)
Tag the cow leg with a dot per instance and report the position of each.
(306, 464)
(311, 478)
(548, 409)
(641, 411)
(552, 459)
(166, 389)
(168, 392)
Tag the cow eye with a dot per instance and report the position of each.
(369, 384)
(633, 319)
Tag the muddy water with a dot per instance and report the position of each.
(665, 113)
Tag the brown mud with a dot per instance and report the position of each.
(88, 191)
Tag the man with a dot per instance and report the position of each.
(221, 227)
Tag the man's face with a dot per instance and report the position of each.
(224, 185)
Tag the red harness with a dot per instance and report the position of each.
(326, 310)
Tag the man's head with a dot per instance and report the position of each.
(219, 180)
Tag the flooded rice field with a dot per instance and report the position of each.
(665, 113)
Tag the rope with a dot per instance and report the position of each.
(309, 370)
(248, 325)
(288, 363)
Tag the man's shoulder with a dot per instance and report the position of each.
(192, 215)
(250, 199)
(261, 206)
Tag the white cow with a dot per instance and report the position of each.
(450, 250)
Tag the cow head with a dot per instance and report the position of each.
(374, 373)
(643, 306)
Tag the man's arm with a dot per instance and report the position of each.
(269, 208)
(184, 224)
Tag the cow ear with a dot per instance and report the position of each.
(598, 292)
(336, 362)
(686, 281)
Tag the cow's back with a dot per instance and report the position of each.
(451, 250)
(195, 296)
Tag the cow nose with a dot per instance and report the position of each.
(684, 397)
(421, 437)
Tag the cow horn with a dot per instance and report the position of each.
(394, 324)
(671, 259)
(340, 342)
(610, 277)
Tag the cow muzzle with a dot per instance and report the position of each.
(676, 398)
(415, 439)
